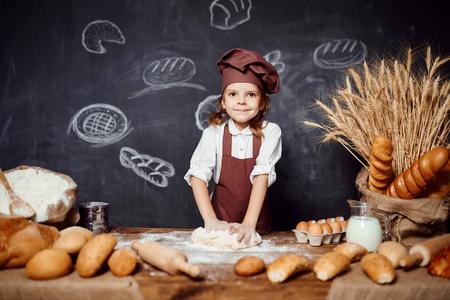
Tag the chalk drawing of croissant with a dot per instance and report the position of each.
(228, 14)
(167, 73)
(100, 31)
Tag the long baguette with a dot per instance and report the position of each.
(286, 266)
(410, 183)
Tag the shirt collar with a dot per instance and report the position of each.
(235, 131)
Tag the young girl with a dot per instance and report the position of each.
(239, 148)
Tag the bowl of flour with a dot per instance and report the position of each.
(51, 194)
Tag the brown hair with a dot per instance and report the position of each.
(221, 116)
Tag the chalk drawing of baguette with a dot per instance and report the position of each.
(168, 73)
(339, 54)
(152, 169)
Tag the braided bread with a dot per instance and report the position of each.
(380, 167)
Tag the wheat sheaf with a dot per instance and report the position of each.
(405, 98)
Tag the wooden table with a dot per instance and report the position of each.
(220, 281)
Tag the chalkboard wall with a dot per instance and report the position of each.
(115, 93)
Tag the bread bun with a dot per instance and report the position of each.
(249, 265)
(71, 243)
(48, 264)
(122, 262)
(94, 254)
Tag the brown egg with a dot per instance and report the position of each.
(329, 220)
(336, 226)
(311, 222)
(326, 227)
(315, 229)
(343, 224)
(338, 219)
(302, 226)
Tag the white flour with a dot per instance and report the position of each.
(38, 188)
(198, 254)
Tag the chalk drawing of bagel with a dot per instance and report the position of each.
(100, 31)
(204, 109)
(152, 169)
(274, 58)
(167, 73)
(100, 124)
(228, 14)
(339, 54)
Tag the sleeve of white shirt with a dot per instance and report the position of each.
(269, 153)
(203, 160)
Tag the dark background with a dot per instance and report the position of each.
(47, 76)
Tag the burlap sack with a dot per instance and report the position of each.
(412, 221)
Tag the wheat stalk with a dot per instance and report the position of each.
(393, 97)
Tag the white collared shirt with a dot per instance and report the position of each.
(207, 158)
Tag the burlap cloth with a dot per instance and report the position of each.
(412, 221)
(413, 284)
(15, 285)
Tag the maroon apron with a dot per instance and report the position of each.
(232, 193)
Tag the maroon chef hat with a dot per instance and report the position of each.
(240, 65)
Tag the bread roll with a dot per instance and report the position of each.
(393, 251)
(71, 242)
(48, 264)
(285, 266)
(249, 265)
(380, 166)
(352, 250)
(378, 267)
(122, 262)
(331, 264)
(87, 233)
(94, 254)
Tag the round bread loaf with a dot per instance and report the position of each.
(94, 254)
(122, 261)
(71, 242)
(249, 265)
(48, 264)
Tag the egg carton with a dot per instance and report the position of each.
(304, 237)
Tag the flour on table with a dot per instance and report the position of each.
(221, 239)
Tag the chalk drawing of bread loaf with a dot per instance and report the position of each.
(339, 54)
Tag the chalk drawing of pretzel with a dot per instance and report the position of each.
(152, 169)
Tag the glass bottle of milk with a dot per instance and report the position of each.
(364, 227)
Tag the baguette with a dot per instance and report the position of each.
(393, 251)
(94, 254)
(330, 265)
(439, 187)
(378, 267)
(353, 251)
(122, 262)
(410, 183)
(380, 165)
(48, 264)
(286, 266)
(249, 265)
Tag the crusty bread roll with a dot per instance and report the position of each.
(71, 242)
(122, 262)
(20, 239)
(87, 233)
(378, 267)
(286, 266)
(48, 264)
(352, 250)
(380, 166)
(393, 251)
(330, 264)
(249, 265)
(94, 254)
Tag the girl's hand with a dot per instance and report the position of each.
(216, 225)
(245, 233)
